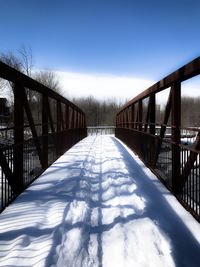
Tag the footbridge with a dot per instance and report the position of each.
(127, 195)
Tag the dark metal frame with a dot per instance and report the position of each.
(69, 128)
(177, 172)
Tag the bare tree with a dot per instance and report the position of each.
(23, 62)
(10, 59)
(49, 79)
(26, 59)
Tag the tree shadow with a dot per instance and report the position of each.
(185, 246)
(90, 198)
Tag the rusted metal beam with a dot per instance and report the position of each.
(75, 119)
(61, 118)
(12, 182)
(152, 115)
(58, 116)
(189, 165)
(163, 126)
(32, 126)
(140, 107)
(66, 116)
(12, 75)
(176, 123)
(137, 115)
(189, 70)
(147, 116)
(127, 117)
(18, 136)
(72, 119)
(132, 115)
(166, 115)
(50, 117)
(45, 130)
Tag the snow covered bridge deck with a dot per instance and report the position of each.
(98, 205)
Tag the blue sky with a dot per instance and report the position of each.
(141, 39)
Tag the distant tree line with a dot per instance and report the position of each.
(98, 112)
(103, 112)
(190, 112)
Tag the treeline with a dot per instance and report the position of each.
(102, 113)
(98, 113)
(190, 112)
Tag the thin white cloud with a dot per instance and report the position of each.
(104, 86)
(101, 86)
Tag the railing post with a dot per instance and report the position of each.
(176, 123)
(152, 114)
(81, 120)
(45, 131)
(66, 116)
(75, 118)
(72, 118)
(140, 115)
(124, 119)
(132, 115)
(58, 128)
(58, 116)
(18, 137)
(127, 118)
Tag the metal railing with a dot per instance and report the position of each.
(44, 126)
(171, 151)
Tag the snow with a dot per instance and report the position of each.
(98, 205)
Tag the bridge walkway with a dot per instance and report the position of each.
(98, 205)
